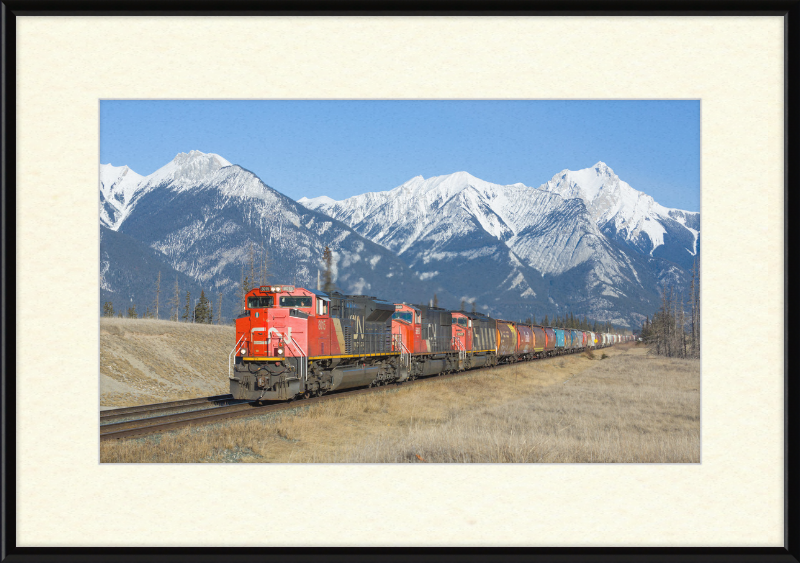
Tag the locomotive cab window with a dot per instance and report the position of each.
(404, 316)
(295, 302)
(259, 302)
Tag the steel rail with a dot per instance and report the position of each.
(140, 427)
(110, 414)
(155, 421)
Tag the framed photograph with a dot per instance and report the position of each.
(81, 89)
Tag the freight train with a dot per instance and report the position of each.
(296, 343)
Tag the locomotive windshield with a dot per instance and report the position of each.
(259, 302)
(294, 302)
(407, 317)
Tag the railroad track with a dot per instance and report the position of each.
(156, 424)
(144, 410)
(153, 425)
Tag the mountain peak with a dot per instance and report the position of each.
(319, 200)
(447, 185)
(182, 158)
(187, 169)
(601, 167)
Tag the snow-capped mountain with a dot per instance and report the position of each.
(585, 242)
(121, 187)
(203, 214)
(630, 216)
(118, 186)
(509, 247)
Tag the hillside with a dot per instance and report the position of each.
(146, 361)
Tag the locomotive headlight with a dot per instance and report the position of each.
(243, 351)
(280, 351)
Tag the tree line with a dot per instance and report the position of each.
(674, 330)
(180, 311)
(181, 308)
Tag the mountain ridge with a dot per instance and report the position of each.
(512, 249)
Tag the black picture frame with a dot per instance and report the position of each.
(789, 10)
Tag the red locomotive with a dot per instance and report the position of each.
(294, 342)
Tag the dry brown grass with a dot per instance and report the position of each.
(628, 408)
(148, 361)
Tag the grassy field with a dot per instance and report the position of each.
(628, 407)
(148, 361)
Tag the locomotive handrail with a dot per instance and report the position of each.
(303, 362)
(462, 351)
(405, 353)
(231, 354)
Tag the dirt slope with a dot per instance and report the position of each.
(149, 361)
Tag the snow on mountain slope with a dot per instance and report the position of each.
(118, 185)
(416, 206)
(186, 171)
(203, 215)
(629, 215)
(507, 244)
(430, 214)
(121, 187)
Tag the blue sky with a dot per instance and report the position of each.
(345, 148)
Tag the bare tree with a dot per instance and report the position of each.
(188, 310)
(175, 302)
(158, 291)
(327, 257)
(670, 333)
(266, 266)
(252, 267)
(245, 286)
(695, 310)
(219, 308)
